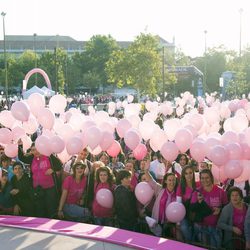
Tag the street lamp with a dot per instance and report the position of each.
(205, 62)
(163, 73)
(5, 60)
(240, 11)
(34, 49)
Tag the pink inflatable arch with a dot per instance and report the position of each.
(33, 71)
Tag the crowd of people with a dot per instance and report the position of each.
(217, 214)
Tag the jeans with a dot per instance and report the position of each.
(186, 229)
(76, 212)
(208, 235)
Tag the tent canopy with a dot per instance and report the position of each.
(34, 89)
(47, 91)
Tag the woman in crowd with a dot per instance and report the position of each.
(129, 166)
(184, 194)
(165, 194)
(233, 218)
(104, 179)
(71, 202)
(104, 158)
(181, 161)
(207, 203)
(125, 202)
(5, 163)
(6, 203)
(21, 190)
(45, 182)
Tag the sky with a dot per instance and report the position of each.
(184, 20)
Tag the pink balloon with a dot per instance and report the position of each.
(57, 104)
(57, 144)
(245, 151)
(229, 137)
(94, 137)
(95, 151)
(66, 131)
(31, 125)
(246, 172)
(74, 145)
(105, 198)
(11, 150)
(211, 115)
(146, 128)
(183, 139)
(36, 101)
(87, 125)
(196, 120)
(175, 212)
(64, 156)
(233, 169)
(107, 140)
(17, 133)
(218, 155)
(234, 151)
(122, 127)
(115, 149)
(132, 139)
(169, 151)
(140, 152)
(5, 136)
(20, 110)
(198, 151)
(233, 106)
(210, 143)
(46, 118)
(144, 193)
(7, 119)
(42, 145)
(26, 142)
(218, 173)
(158, 139)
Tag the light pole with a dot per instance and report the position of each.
(205, 61)
(34, 49)
(240, 11)
(5, 59)
(163, 73)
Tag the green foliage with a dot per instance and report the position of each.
(138, 66)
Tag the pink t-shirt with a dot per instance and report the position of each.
(75, 190)
(134, 181)
(217, 197)
(187, 195)
(97, 209)
(239, 217)
(38, 167)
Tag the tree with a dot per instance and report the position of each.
(138, 66)
(97, 52)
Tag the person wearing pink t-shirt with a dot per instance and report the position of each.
(165, 194)
(71, 202)
(233, 219)
(104, 180)
(184, 194)
(207, 203)
(45, 171)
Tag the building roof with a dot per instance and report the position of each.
(19, 43)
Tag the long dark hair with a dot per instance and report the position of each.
(165, 178)
(110, 179)
(183, 179)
